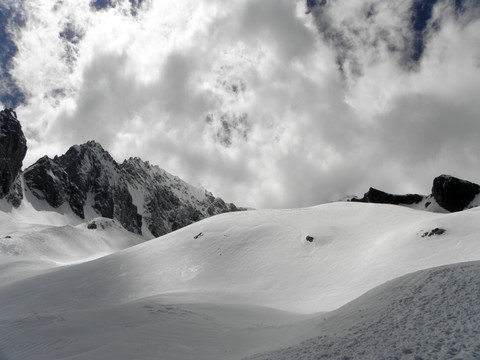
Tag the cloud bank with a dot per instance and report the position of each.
(273, 103)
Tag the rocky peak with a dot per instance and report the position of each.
(89, 165)
(13, 147)
(89, 180)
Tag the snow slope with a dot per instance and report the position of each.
(431, 314)
(27, 249)
(240, 284)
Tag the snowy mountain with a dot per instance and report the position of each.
(143, 198)
(277, 284)
(89, 183)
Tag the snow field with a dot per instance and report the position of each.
(241, 284)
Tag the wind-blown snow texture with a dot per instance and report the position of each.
(432, 314)
(219, 289)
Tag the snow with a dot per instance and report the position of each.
(432, 314)
(428, 204)
(248, 284)
(28, 249)
(88, 210)
(475, 202)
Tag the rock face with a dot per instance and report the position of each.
(143, 198)
(380, 197)
(13, 147)
(454, 194)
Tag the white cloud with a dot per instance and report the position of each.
(246, 99)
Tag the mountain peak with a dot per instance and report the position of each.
(89, 149)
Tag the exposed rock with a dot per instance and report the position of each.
(454, 194)
(13, 147)
(92, 226)
(436, 231)
(380, 197)
(168, 202)
(309, 238)
(448, 193)
(48, 181)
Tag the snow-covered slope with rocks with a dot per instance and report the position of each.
(259, 284)
(28, 249)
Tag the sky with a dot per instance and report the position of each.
(268, 104)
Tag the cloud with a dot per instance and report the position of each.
(261, 102)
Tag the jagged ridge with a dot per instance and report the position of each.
(143, 198)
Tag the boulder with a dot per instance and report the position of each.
(454, 194)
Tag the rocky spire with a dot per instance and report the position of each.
(13, 147)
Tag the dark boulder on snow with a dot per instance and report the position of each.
(13, 147)
(380, 197)
(436, 231)
(454, 194)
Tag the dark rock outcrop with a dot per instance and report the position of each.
(84, 177)
(448, 193)
(380, 197)
(13, 147)
(143, 198)
(436, 231)
(167, 202)
(454, 194)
